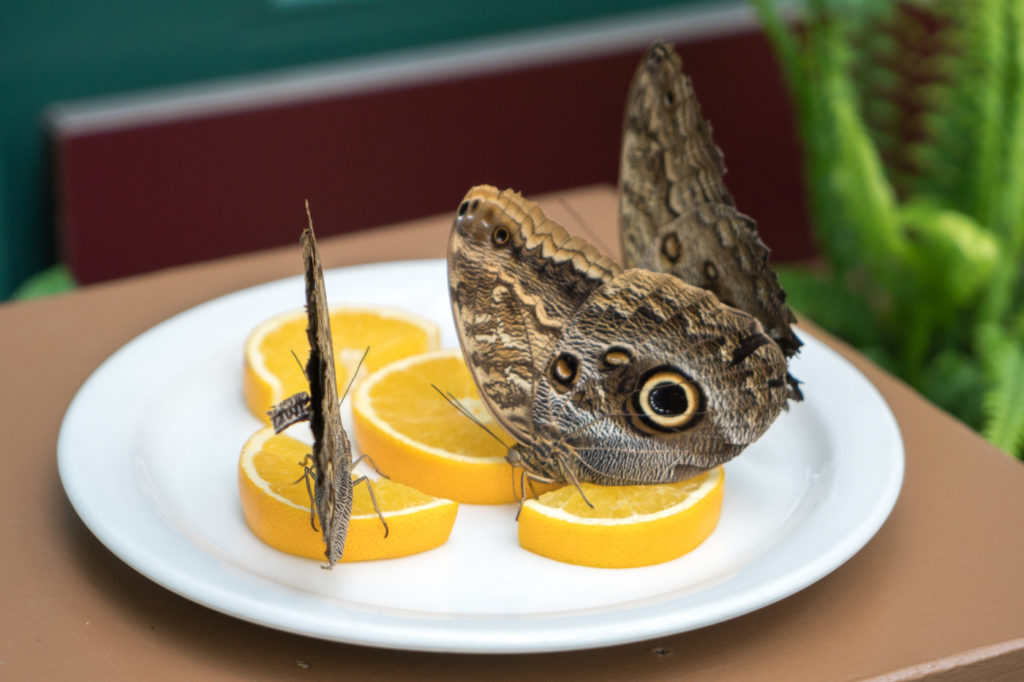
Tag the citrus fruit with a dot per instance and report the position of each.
(415, 436)
(634, 525)
(276, 507)
(272, 374)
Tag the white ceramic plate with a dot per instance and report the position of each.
(148, 453)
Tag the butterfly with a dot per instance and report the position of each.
(626, 376)
(330, 464)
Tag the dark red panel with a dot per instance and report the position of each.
(152, 196)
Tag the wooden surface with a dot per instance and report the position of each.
(936, 595)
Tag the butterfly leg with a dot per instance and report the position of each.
(307, 476)
(373, 464)
(525, 478)
(519, 493)
(373, 499)
(571, 477)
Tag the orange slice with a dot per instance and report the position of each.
(271, 373)
(628, 526)
(276, 508)
(417, 438)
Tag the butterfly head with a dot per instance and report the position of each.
(540, 460)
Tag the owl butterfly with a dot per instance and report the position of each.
(602, 374)
(676, 214)
(331, 469)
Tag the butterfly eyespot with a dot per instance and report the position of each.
(463, 207)
(616, 356)
(710, 271)
(563, 371)
(668, 400)
(501, 236)
(671, 248)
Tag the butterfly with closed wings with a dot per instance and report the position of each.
(330, 464)
(635, 376)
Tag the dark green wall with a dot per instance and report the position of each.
(66, 49)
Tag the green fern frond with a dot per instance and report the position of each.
(970, 106)
(1003, 359)
(911, 115)
(784, 42)
(897, 55)
(856, 210)
(953, 381)
(953, 254)
(1011, 217)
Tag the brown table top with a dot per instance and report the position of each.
(937, 594)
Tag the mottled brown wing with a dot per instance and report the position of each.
(332, 454)
(515, 277)
(676, 214)
(653, 381)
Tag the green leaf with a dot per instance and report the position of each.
(913, 140)
(952, 256)
(54, 280)
(783, 41)
(954, 381)
(852, 202)
(1003, 404)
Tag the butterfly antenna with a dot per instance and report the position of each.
(454, 402)
(302, 368)
(352, 379)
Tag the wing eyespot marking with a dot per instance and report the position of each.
(614, 357)
(563, 371)
(671, 248)
(500, 235)
(667, 401)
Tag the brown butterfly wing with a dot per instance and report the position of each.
(676, 214)
(515, 278)
(655, 380)
(332, 453)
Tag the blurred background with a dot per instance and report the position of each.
(878, 143)
(141, 135)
